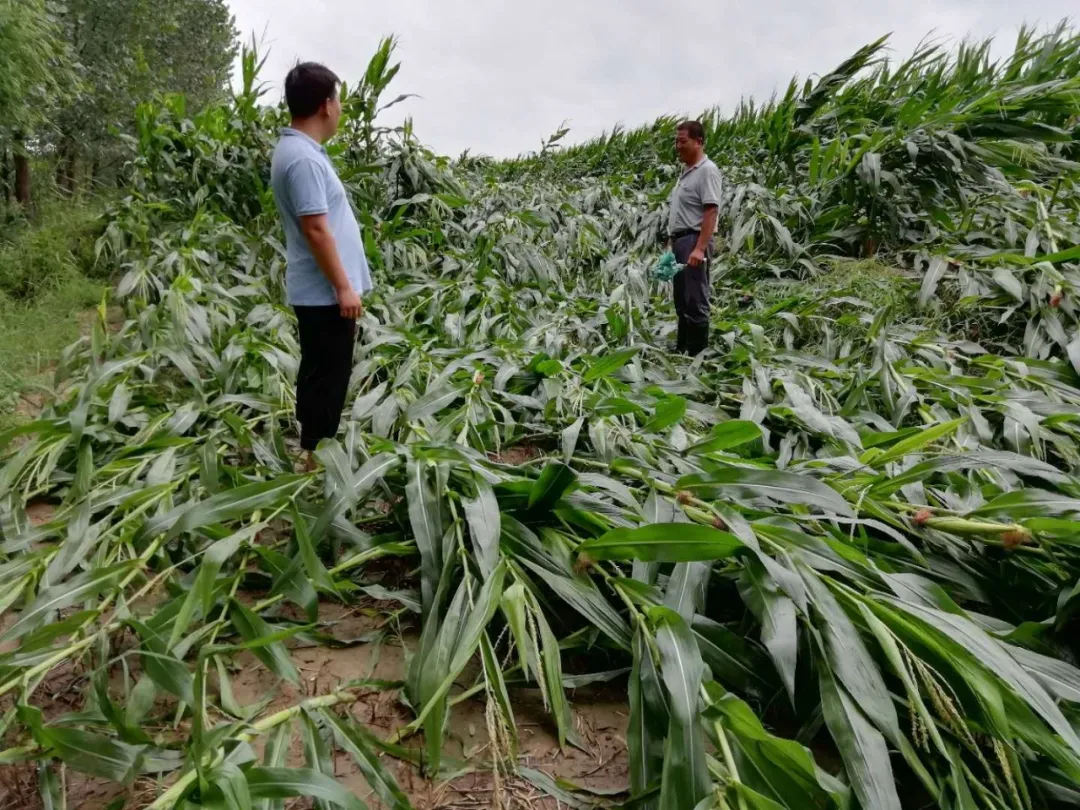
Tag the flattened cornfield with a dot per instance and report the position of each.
(833, 562)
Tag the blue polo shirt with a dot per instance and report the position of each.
(306, 184)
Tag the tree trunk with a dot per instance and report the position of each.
(22, 172)
(6, 175)
(65, 166)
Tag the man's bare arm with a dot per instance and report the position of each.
(319, 237)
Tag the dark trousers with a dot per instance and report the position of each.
(691, 292)
(326, 360)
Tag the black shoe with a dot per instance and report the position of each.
(697, 338)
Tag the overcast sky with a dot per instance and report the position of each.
(498, 76)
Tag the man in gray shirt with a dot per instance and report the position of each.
(695, 206)
(327, 270)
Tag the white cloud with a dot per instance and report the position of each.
(498, 76)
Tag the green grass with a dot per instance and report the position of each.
(47, 279)
(34, 334)
(52, 246)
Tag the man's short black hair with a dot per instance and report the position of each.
(693, 129)
(307, 86)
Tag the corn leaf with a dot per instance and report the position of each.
(685, 779)
(355, 739)
(862, 747)
(286, 783)
(663, 542)
(608, 364)
(255, 632)
(482, 514)
(769, 487)
(725, 436)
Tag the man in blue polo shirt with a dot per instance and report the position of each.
(327, 270)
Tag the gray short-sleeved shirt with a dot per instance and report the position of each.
(306, 184)
(699, 185)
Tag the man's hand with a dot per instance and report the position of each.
(697, 257)
(351, 305)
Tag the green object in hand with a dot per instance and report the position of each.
(666, 268)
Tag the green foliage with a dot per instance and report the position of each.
(48, 280)
(848, 485)
(33, 336)
(37, 71)
(131, 50)
(74, 74)
(59, 245)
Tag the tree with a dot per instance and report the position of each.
(37, 73)
(130, 50)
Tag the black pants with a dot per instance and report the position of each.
(326, 359)
(691, 293)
